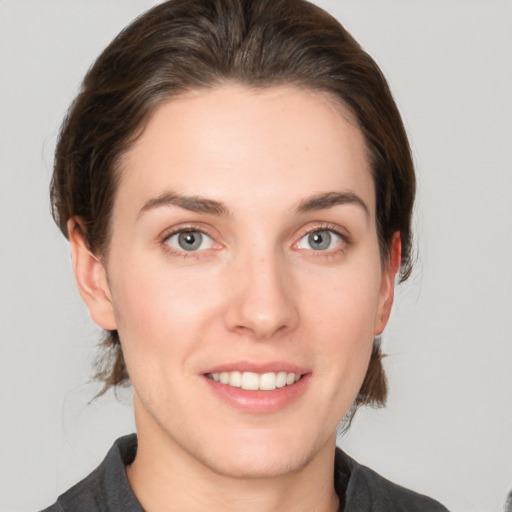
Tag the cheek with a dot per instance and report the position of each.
(341, 318)
(160, 312)
(346, 301)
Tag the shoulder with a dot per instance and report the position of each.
(53, 508)
(106, 489)
(367, 491)
(86, 496)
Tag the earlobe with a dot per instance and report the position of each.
(388, 284)
(91, 277)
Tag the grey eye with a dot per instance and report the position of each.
(190, 241)
(320, 240)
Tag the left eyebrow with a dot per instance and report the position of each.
(196, 204)
(330, 199)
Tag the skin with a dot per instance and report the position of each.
(256, 291)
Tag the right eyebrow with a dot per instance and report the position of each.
(197, 204)
(330, 199)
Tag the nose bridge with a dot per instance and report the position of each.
(262, 303)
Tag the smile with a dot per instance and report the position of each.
(251, 381)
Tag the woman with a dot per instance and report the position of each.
(236, 186)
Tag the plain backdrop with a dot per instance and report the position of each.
(447, 430)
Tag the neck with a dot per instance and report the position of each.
(166, 478)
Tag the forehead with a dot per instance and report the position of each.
(273, 144)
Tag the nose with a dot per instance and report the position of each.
(262, 303)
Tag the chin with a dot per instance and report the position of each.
(255, 463)
(267, 455)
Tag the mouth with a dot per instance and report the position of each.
(251, 381)
(258, 387)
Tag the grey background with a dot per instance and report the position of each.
(447, 430)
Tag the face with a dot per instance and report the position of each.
(244, 276)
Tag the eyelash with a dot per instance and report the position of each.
(328, 253)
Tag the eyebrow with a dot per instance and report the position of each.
(201, 204)
(197, 204)
(331, 199)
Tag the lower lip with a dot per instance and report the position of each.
(259, 401)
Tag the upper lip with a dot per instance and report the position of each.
(258, 367)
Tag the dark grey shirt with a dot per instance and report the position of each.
(360, 489)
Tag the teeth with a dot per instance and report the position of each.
(281, 379)
(267, 381)
(250, 381)
(235, 379)
(255, 381)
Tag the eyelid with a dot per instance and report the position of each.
(187, 227)
(323, 226)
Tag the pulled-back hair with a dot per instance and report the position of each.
(183, 45)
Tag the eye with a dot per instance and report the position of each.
(320, 240)
(190, 241)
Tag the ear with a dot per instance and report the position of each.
(90, 276)
(387, 289)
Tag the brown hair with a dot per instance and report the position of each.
(189, 44)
